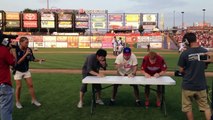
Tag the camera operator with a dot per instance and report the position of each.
(194, 82)
(6, 91)
(24, 54)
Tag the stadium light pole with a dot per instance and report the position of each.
(174, 18)
(182, 20)
(203, 18)
(47, 4)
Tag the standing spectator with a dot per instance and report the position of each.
(91, 67)
(24, 54)
(194, 82)
(153, 65)
(126, 64)
(6, 90)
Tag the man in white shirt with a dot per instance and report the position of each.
(126, 64)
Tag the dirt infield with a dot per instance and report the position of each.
(107, 72)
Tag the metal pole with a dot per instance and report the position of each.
(47, 4)
(203, 18)
(174, 18)
(182, 20)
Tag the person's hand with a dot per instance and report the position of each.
(147, 75)
(156, 75)
(131, 75)
(28, 51)
(100, 75)
(41, 60)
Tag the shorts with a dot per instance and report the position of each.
(199, 96)
(20, 75)
(96, 86)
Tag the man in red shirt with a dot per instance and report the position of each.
(6, 90)
(153, 65)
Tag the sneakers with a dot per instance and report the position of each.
(111, 103)
(147, 103)
(36, 103)
(138, 103)
(80, 104)
(18, 105)
(158, 103)
(100, 102)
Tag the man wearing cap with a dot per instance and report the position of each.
(126, 64)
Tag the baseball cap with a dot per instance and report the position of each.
(127, 51)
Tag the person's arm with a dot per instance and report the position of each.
(210, 57)
(96, 74)
(24, 56)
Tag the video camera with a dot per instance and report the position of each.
(5, 40)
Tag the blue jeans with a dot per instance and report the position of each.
(6, 102)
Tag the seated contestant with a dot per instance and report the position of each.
(153, 65)
(126, 64)
(91, 67)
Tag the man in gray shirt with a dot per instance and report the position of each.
(91, 67)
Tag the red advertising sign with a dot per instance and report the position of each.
(30, 24)
(30, 16)
(116, 17)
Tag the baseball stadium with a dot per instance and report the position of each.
(64, 38)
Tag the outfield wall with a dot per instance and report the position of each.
(53, 41)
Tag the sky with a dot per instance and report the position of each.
(170, 9)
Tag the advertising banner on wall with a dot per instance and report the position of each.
(98, 21)
(84, 42)
(131, 39)
(156, 39)
(61, 38)
(65, 24)
(39, 44)
(50, 44)
(13, 23)
(30, 24)
(12, 16)
(37, 38)
(72, 41)
(30, 16)
(61, 44)
(96, 45)
(47, 24)
(49, 38)
(96, 41)
(132, 20)
(107, 42)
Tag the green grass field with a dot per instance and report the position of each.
(59, 93)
